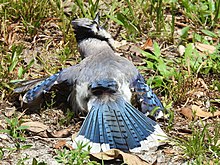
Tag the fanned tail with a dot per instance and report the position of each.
(117, 124)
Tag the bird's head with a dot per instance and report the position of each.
(85, 28)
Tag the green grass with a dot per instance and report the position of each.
(25, 26)
(80, 155)
(16, 131)
(202, 146)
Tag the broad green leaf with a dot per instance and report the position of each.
(5, 131)
(13, 62)
(22, 127)
(26, 146)
(149, 55)
(157, 50)
(163, 70)
(189, 50)
(115, 19)
(150, 64)
(21, 138)
(210, 33)
(8, 120)
(30, 64)
(20, 71)
(34, 161)
(184, 32)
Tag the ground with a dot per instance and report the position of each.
(180, 61)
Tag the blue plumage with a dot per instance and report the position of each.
(101, 85)
(117, 124)
(146, 97)
(112, 122)
(66, 76)
(41, 88)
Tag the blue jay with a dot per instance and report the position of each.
(102, 85)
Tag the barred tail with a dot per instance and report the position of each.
(117, 124)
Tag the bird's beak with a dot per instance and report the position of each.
(97, 19)
(74, 23)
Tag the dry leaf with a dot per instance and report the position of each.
(62, 133)
(210, 162)
(187, 112)
(62, 143)
(181, 50)
(205, 48)
(115, 153)
(74, 135)
(2, 125)
(202, 82)
(9, 111)
(35, 126)
(4, 137)
(199, 112)
(148, 44)
(169, 151)
(118, 44)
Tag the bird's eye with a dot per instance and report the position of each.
(97, 27)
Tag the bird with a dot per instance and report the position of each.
(101, 86)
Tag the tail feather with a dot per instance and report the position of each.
(117, 124)
(115, 128)
(95, 127)
(139, 121)
(133, 135)
(90, 122)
